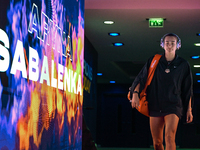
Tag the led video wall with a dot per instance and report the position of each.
(41, 74)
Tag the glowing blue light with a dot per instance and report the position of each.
(197, 74)
(113, 34)
(198, 81)
(118, 44)
(112, 81)
(99, 74)
(198, 34)
(195, 57)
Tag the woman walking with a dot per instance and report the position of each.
(169, 95)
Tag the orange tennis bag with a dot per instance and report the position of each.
(143, 103)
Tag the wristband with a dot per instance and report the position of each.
(135, 92)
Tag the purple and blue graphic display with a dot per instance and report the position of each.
(41, 74)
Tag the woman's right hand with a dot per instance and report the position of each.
(135, 100)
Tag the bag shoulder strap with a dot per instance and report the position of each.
(151, 70)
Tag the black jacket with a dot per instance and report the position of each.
(168, 92)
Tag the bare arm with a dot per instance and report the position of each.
(189, 116)
(189, 105)
(137, 88)
(135, 97)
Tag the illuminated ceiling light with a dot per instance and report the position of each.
(118, 44)
(196, 66)
(198, 81)
(113, 34)
(197, 44)
(198, 74)
(195, 57)
(112, 81)
(108, 22)
(99, 74)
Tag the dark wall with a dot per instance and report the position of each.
(190, 133)
(89, 90)
(119, 125)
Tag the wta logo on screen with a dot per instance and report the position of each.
(66, 77)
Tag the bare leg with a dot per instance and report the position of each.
(171, 123)
(157, 127)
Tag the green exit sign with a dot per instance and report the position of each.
(156, 22)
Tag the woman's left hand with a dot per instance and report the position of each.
(189, 118)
